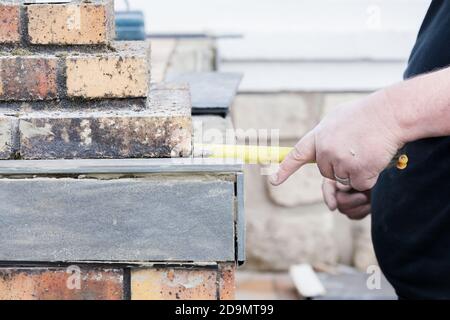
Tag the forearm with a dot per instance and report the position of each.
(421, 106)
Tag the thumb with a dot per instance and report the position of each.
(304, 152)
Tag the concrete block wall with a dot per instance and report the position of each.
(290, 224)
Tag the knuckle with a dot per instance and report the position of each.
(297, 155)
(326, 151)
(341, 158)
(324, 172)
(360, 183)
(365, 185)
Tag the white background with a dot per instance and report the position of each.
(326, 45)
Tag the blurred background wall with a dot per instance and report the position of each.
(299, 59)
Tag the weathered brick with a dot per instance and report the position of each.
(162, 129)
(9, 23)
(124, 73)
(28, 78)
(75, 23)
(7, 132)
(102, 135)
(174, 284)
(61, 284)
(227, 283)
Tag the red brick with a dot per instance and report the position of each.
(227, 282)
(26, 78)
(9, 23)
(60, 284)
(174, 284)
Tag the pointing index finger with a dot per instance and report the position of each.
(303, 153)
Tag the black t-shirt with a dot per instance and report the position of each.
(411, 208)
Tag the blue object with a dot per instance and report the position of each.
(130, 25)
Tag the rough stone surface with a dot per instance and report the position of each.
(9, 23)
(28, 78)
(76, 23)
(103, 135)
(7, 135)
(169, 98)
(174, 284)
(60, 105)
(60, 284)
(124, 73)
(158, 127)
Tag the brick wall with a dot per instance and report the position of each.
(68, 90)
(84, 282)
(73, 23)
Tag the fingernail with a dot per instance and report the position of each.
(274, 178)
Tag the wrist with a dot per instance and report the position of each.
(402, 117)
(391, 116)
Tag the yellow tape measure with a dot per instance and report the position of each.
(260, 154)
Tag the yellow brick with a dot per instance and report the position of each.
(71, 23)
(121, 74)
(174, 284)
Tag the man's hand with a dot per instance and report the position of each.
(354, 204)
(357, 141)
(353, 144)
